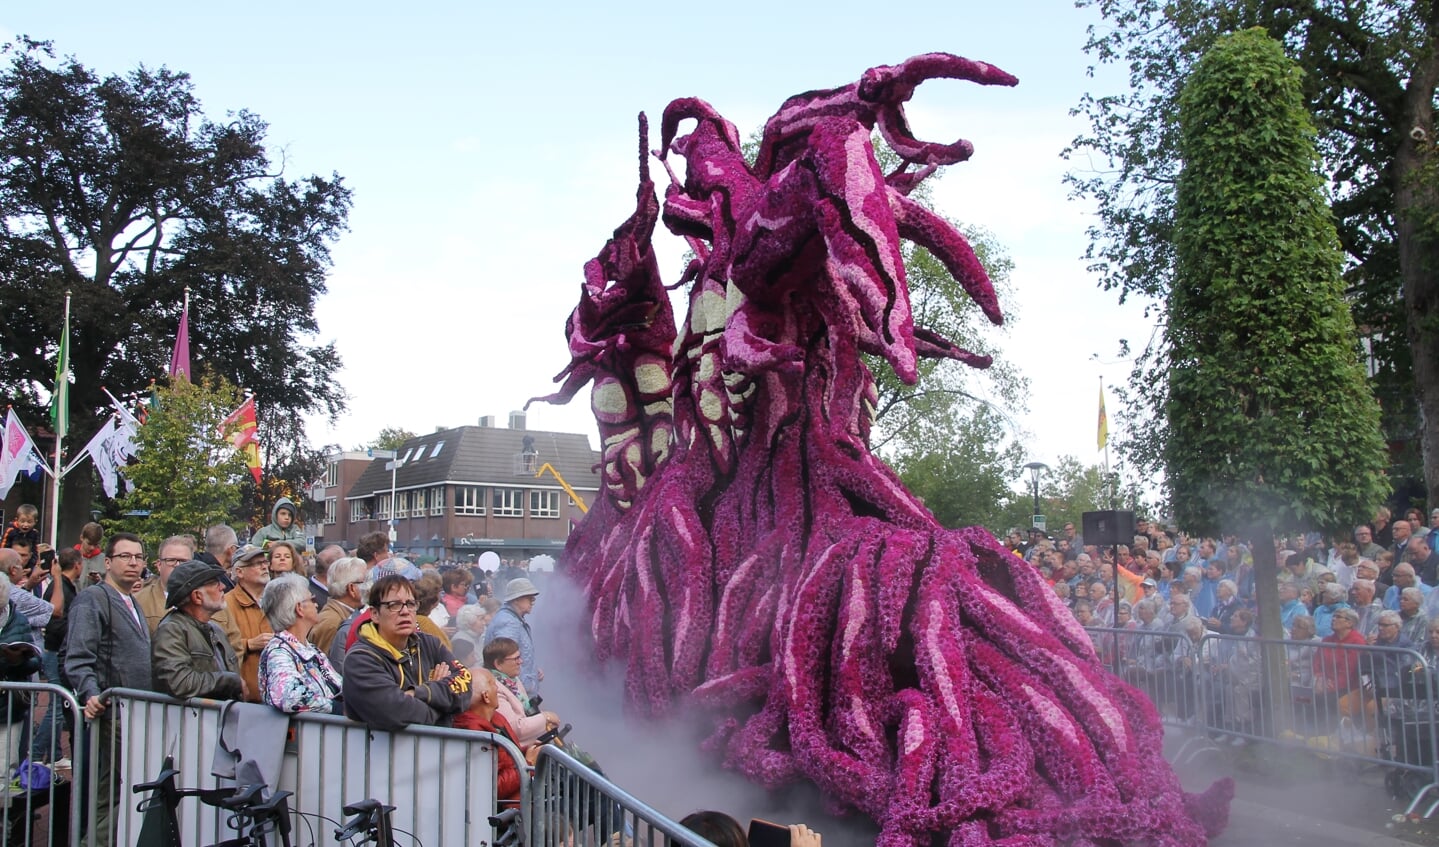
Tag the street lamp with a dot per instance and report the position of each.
(393, 466)
(1036, 470)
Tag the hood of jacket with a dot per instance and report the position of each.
(284, 503)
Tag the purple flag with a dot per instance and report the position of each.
(180, 357)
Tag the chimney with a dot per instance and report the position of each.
(517, 420)
(487, 421)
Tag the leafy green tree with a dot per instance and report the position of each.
(1070, 489)
(390, 438)
(1267, 421)
(1371, 72)
(120, 189)
(962, 469)
(186, 475)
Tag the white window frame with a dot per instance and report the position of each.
(470, 500)
(508, 502)
(437, 501)
(382, 507)
(332, 475)
(402, 504)
(544, 503)
(331, 509)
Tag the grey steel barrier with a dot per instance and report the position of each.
(573, 806)
(34, 799)
(442, 781)
(1370, 704)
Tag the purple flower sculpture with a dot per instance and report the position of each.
(751, 560)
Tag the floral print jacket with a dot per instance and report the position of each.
(295, 676)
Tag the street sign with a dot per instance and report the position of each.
(1039, 523)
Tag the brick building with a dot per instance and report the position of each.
(463, 491)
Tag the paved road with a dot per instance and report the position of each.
(1293, 797)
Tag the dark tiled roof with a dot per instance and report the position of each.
(483, 455)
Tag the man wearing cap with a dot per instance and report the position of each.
(509, 622)
(189, 654)
(241, 619)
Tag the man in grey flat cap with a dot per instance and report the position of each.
(509, 622)
(190, 655)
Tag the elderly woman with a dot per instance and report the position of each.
(285, 558)
(502, 660)
(295, 676)
(1226, 603)
(470, 623)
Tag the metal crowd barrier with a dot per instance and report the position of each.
(38, 809)
(1370, 704)
(573, 806)
(441, 781)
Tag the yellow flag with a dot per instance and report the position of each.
(1103, 422)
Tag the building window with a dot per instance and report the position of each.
(382, 507)
(509, 502)
(402, 504)
(362, 510)
(544, 504)
(439, 445)
(469, 500)
(330, 507)
(437, 500)
(332, 475)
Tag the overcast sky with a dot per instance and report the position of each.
(491, 149)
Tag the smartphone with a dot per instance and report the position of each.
(763, 833)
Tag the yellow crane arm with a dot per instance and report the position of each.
(574, 495)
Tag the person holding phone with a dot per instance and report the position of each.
(725, 831)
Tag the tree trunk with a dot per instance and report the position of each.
(1416, 202)
(1276, 664)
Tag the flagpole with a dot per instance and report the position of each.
(1107, 477)
(61, 399)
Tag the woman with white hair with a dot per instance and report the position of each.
(295, 676)
(1226, 603)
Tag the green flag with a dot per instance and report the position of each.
(60, 400)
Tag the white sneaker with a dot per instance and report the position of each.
(62, 764)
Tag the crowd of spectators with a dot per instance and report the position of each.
(370, 636)
(1189, 628)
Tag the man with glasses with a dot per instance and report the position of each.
(242, 619)
(107, 645)
(174, 552)
(396, 675)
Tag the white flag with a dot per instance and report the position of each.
(18, 455)
(111, 449)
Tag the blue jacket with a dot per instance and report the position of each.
(1324, 618)
(507, 623)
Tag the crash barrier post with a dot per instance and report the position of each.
(1364, 703)
(39, 809)
(572, 805)
(441, 781)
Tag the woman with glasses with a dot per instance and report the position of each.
(396, 675)
(295, 676)
(502, 660)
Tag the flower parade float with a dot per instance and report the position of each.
(750, 560)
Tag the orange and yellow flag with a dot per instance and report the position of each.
(241, 429)
(1103, 421)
